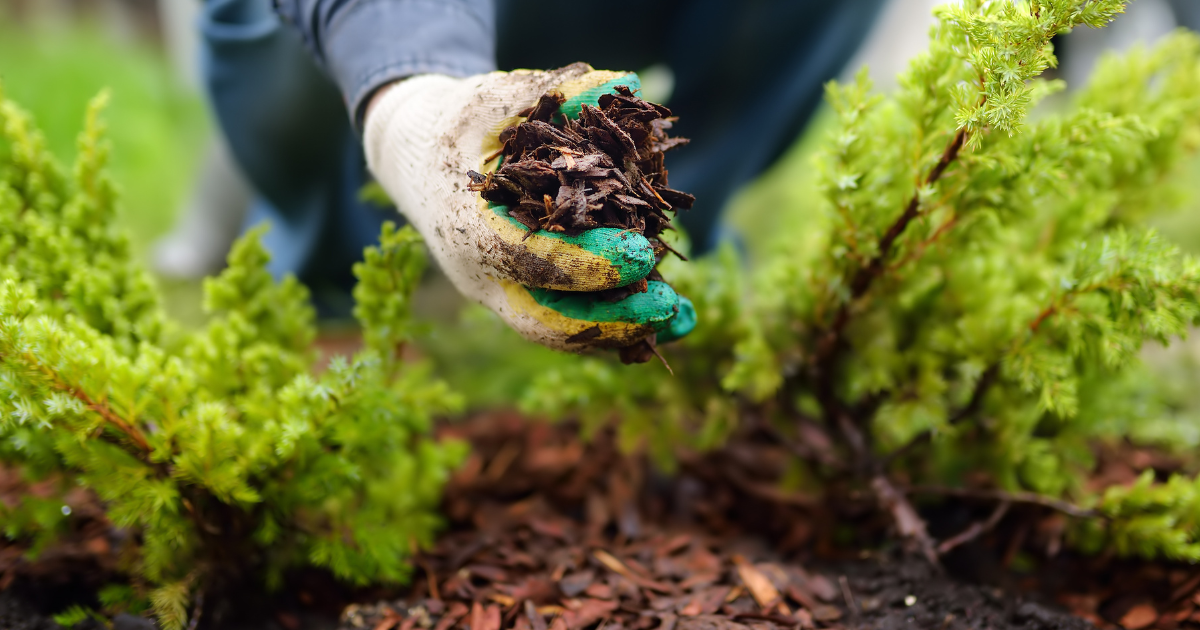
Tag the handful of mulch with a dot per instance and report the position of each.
(603, 170)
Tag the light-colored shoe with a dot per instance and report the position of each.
(210, 221)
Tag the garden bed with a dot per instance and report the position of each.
(550, 533)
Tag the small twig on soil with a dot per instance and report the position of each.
(197, 611)
(976, 529)
(1029, 498)
(908, 522)
(851, 605)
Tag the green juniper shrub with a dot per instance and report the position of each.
(973, 299)
(221, 452)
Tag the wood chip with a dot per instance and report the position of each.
(616, 566)
(476, 616)
(1140, 616)
(576, 583)
(760, 587)
(503, 600)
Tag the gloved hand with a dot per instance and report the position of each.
(424, 133)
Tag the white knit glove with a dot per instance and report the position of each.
(422, 136)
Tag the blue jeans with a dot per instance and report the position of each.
(748, 75)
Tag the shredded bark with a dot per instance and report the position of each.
(605, 169)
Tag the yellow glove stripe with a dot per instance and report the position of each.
(605, 334)
(581, 270)
(592, 80)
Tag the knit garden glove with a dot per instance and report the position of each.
(422, 136)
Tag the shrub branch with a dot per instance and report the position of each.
(103, 410)
(828, 355)
(827, 346)
(1006, 496)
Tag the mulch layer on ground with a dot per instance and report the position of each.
(553, 534)
(550, 533)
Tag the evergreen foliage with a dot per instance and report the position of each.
(973, 301)
(221, 451)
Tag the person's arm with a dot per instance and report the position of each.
(436, 109)
(366, 44)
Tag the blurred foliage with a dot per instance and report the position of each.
(157, 126)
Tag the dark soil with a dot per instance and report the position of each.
(908, 594)
(16, 615)
(548, 533)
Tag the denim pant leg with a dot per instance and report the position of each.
(290, 134)
(1187, 12)
(748, 73)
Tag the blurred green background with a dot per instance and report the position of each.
(157, 126)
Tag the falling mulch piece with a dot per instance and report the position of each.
(605, 169)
